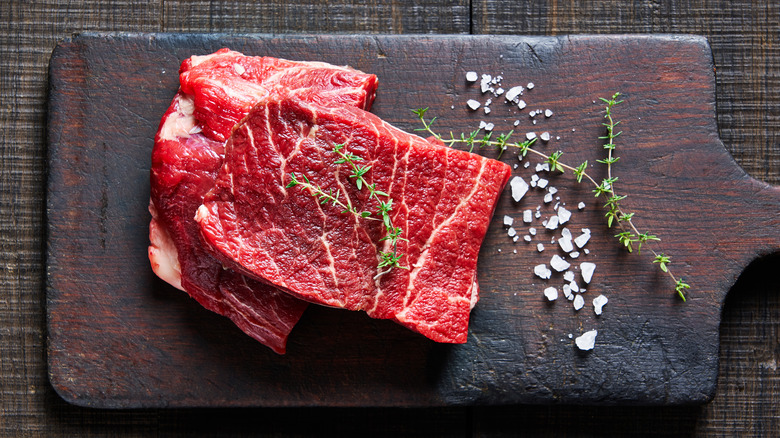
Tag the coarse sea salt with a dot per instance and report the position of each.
(583, 238)
(551, 293)
(567, 292)
(565, 244)
(521, 104)
(542, 271)
(528, 216)
(519, 188)
(552, 223)
(548, 112)
(587, 340)
(532, 231)
(530, 135)
(513, 92)
(472, 76)
(559, 264)
(563, 215)
(473, 104)
(527, 238)
(578, 302)
(598, 303)
(511, 232)
(548, 198)
(539, 247)
(587, 268)
(508, 221)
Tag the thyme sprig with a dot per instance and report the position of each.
(387, 259)
(629, 236)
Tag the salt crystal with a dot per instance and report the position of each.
(534, 122)
(508, 221)
(559, 264)
(598, 303)
(527, 238)
(515, 166)
(545, 136)
(543, 166)
(488, 102)
(581, 205)
(530, 85)
(578, 302)
(587, 251)
(574, 254)
(587, 340)
(574, 287)
(519, 188)
(471, 76)
(542, 271)
(551, 293)
(499, 249)
(530, 135)
(487, 110)
(517, 122)
(567, 292)
(514, 239)
(527, 163)
(557, 137)
(484, 86)
(537, 215)
(511, 232)
(563, 215)
(514, 251)
(565, 244)
(583, 238)
(547, 198)
(568, 276)
(482, 124)
(532, 231)
(532, 114)
(499, 91)
(527, 216)
(552, 190)
(587, 269)
(548, 112)
(473, 104)
(542, 183)
(521, 104)
(539, 247)
(489, 126)
(513, 93)
(552, 223)
(570, 335)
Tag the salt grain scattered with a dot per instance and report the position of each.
(530, 135)
(489, 126)
(521, 104)
(527, 216)
(559, 264)
(567, 292)
(598, 303)
(514, 239)
(537, 214)
(513, 93)
(581, 205)
(517, 122)
(548, 112)
(548, 198)
(545, 136)
(587, 340)
(552, 223)
(519, 188)
(508, 221)
(568, 276)
(542, 183)
(574, 254)
(565, 244)
(539, 247)
(542, 271)
(578, 302)
(527, 238)
(532, 231)
(587, 269)
(574, 286)
(551, 293)
(583, 238)
(563, 215)
(530, 86)
(487, 110)
(511, 232)
(471, 76)
(473, 104)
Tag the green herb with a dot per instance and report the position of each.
(629, 236)
(387, 259)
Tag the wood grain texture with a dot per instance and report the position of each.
(119, 338)
(744, 38)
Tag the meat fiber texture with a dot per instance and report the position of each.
(188, 152)
(442, 198)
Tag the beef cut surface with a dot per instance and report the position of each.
(188, 152)
(442, 198)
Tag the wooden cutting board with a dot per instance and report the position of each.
(118, 337)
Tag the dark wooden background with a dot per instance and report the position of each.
(745, 39)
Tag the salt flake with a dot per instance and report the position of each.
(598, 303)
(578, 302)
(587, 340)
(587, 269)
(508, 221)
(551, 293)
(559, 264)
(519, 188)
(542, 271)
(473, 104)
(471, 76)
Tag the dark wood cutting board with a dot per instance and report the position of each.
(119, 337)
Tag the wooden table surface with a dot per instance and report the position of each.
(745, 39)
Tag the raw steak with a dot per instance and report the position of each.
(184, 165)
(442, 198)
